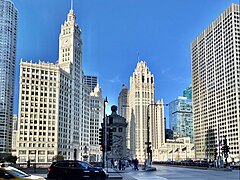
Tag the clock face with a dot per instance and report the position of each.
(66, 41)
(77, 43)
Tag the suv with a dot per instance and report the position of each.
(69, 170)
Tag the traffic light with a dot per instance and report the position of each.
(101, 137)
(149, 149)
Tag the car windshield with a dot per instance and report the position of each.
(18, 173)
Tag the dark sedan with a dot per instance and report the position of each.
(73, 170)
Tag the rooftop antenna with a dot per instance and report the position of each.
(138, 57)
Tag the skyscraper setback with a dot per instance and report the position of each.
(8, 36)
(140, 104)
(216, 84)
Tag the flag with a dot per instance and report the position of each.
(192, 148)
(170, 152)
(184, 149)
(176, 150)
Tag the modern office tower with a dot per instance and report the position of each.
(188, 92)
(123, 101)
(96, 118)
(8, 38)
(215, 83)
(91, 82)
(123, 109)
(141, 94)
(180, 118)
(54, 104)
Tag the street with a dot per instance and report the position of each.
(178, 173)
(175, 173)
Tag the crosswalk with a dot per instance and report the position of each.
(136, 176)
(151, 177)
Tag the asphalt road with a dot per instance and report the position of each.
(177, 173)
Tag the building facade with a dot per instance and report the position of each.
(123, 102)
(157, 124)
(8, 39)
(14, 134)
(175, 150)
(123, 110)
(215, 84)
(96, 118)
(180, 118)
(141, 94)
(91, 82)
(54, 104)
(118, 125)
(188, 92)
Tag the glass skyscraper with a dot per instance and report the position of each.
(180, 117)
(188, 92)
(8, 35)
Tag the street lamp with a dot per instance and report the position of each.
(148, 164)
(105, 133)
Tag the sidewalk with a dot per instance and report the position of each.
(122, 174)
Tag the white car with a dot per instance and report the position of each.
(10, 172)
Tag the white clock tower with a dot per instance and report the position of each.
(70, 45)
(76, 121)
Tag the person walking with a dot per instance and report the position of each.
(115, 164)
(120, 165)
(112, 163)
(123, 164)
(136, 164)
(28, 164)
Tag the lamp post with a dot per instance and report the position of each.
(148, 164)
(105, 134)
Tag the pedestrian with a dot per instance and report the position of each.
(28, 164)
(123, 165)
(112, 163)
(136, 164)
(115, 164)
(120, 165)
(133, 164)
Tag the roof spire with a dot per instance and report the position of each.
(138, 57)
(71, 4)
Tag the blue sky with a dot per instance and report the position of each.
(114, 32)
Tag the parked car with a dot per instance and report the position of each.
(70, 170)
(11, 173)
